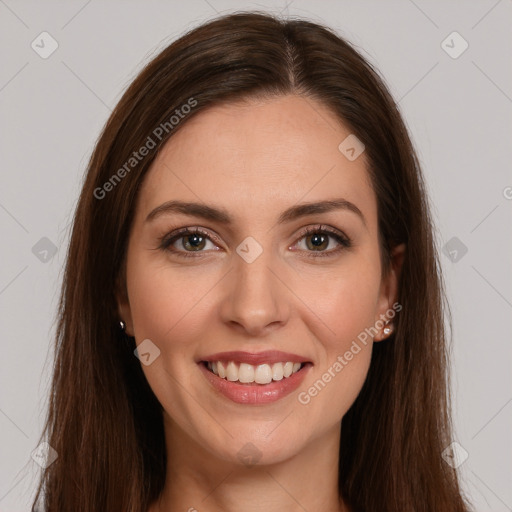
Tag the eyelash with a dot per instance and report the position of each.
(167, 240)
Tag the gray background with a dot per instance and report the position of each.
(458, 111)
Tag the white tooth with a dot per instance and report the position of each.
(232, 371)
(209, 365)
(246, 373)
(277, 371)
(221, 370)
(263, 374)
(288, 368)
(296, 367)
(214, 368)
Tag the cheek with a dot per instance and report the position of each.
(342, 302)
(164, 299)
(327, 396)
(169, 307)
(342, 311)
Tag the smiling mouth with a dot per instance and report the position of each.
(244, 373)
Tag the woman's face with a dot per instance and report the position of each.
(252, 291)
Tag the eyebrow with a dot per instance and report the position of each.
(222, 216)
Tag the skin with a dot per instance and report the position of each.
(255, 159)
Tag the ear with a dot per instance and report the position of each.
(388, 294)
(123, 304)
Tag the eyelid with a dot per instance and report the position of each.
(322, 228)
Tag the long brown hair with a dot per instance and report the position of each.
(105, 422)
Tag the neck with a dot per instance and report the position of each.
(196, 480)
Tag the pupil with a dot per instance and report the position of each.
(195, 241)
(318, 240)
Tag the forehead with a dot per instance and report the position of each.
(258, 156)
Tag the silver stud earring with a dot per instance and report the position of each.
(388, 329)
(122, 325)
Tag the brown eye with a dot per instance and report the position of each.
(323, 241)
(193, 242)
(317, 241)
(185, 242)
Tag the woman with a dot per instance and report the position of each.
(252, 308)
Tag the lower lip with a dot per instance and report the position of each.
(256, 393)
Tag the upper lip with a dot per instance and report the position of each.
(268, 356)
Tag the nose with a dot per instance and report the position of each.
(255, 300)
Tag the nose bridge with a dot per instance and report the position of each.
(256, 297)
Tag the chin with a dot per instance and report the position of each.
(257, 446)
